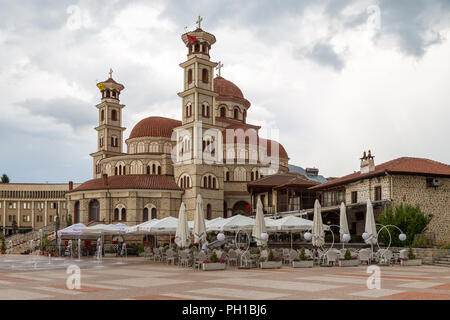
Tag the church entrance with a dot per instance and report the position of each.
(94, 210)
(241, 207)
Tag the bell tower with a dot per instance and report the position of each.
(109, 129)
(198, 133)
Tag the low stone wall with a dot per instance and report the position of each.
(428, 255)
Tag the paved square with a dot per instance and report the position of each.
(142, 279)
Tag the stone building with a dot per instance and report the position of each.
(28, 206)
(212, 151)
(406, 180)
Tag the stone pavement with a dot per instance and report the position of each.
(143, 279)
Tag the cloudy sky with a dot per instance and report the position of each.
(334, 78)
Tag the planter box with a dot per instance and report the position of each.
(303, 264)
(415, 262)
(271, 264)
(213, 266)
(349, 263)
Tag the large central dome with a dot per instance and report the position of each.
(228, 91)
(154, 127)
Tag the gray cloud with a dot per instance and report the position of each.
(73, 112)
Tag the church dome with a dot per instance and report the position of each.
(154, 127)
(228, 91)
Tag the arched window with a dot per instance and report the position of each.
(214, 183)
(102, 115)
(209, 182)
(153, 169)
(116, 214)
(113, 115)
(94, 210)
(189, 76)
(153, 213)
(197, 47)
(222, 112)
(205, 76)
(145, 215)
(76, 216)
(115, 171)
(208, 212)
(252, 176)
(203, 110)
(124, 214)
(205, 182)
(148, 169)
(236, 113)
(107, 93)
(227, 176)
(159, 170)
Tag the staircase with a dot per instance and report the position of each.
(443, 261)
(20, 243)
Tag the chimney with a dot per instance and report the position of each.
(70, 185)
(312, 171)
(105, 179)
(367, 163)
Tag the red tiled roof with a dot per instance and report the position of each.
(404, 165)
(134, 181)
(228, 91)
(264, 142)
(154, 127)
(280, 180)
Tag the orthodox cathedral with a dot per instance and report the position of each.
(213, 151)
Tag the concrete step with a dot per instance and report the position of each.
(443, 262)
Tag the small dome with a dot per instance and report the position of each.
(154, 127)
(228, 91)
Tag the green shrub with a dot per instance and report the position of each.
(303, 256)
(411, 220)
(214, 258)
(348, 255)
(446, 246)
(271, 256)
(411, 255)
(3, 245)
(419, 241)
(140, 249)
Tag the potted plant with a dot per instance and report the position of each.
(111, 252)
(140, 250)
(272, 262)
(348, 260)
(3, 245)
(304, 261)
(214, 263)
(411, 260)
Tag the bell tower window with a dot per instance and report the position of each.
(102, 115)
(114, 115)
(236, 114)
(205, 76)
(222, 112)
(189, 76)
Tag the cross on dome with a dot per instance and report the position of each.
(219, 67)
(199, 20)
(110, 72)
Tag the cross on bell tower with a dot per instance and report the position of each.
(219, 67)
(110, 72)
(199, 21)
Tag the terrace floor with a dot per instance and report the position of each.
(138, 278)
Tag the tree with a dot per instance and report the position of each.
(69, 220)
(3, 245)
(5, 178)
(411, 220)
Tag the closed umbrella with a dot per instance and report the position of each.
(343, 224)
(182, 234)
(260, 226)
(370, 231)
(318, 235)
(199, 222)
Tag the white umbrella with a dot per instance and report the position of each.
(293, 224)
(199, 222)
(182, 234)
(101, 229)
(135, 229)
(260, 226)
(236, 223)
(370, 228)
(318, 235)
(144, 228)
(343, 224)
(167, 225)
(73, 230)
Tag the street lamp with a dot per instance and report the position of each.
(57, 223)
